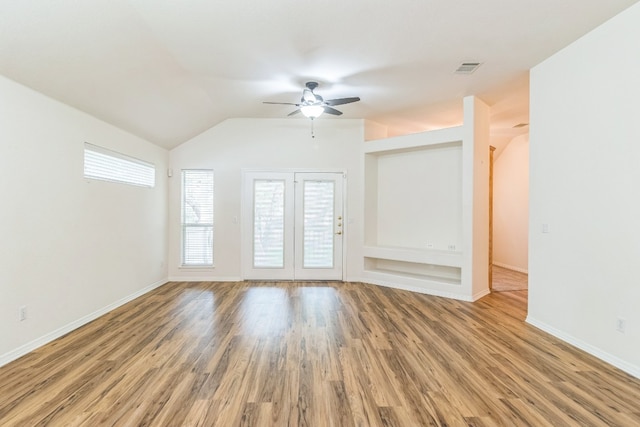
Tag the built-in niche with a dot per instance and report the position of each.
(426, 208)
(413, 198)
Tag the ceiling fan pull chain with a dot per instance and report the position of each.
(312, 134)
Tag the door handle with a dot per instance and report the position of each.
(339, 233)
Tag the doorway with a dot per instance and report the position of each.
(510, 214)
(292, 225)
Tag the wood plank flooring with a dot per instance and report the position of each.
(313, 354)
(505, 279)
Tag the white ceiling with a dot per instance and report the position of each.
(166, 70)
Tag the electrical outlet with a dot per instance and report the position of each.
(22, 313)
(621, 325)
(452, 247)
(429, 245)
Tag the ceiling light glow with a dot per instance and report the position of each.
(312, 111)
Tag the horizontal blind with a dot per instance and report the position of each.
(197, 217)
(318, 224)
(268, 224)
(107, 165)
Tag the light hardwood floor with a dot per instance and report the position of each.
(505, 279)
(313, 354)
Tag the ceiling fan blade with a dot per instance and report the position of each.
(340, 101)
(293, 113)
(281, 103)
(333, 111)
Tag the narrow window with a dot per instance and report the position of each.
(197, 217)
(107, 165)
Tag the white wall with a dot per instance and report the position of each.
(420, 198)
(584, 183)
(69, 248)
(265, 144)
(475, 196)
(511, 205)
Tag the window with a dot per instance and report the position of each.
(107, 165)
(197, 217)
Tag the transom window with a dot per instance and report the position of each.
(106, 165)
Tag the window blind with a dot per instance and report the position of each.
(318, 224)
(197, 217)
(268, 224)
(106, 165)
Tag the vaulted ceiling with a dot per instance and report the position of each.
(166, 70)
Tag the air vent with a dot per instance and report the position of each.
(467, 68)
(521, 125)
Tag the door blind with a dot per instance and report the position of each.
(318, 224)
(268, 224)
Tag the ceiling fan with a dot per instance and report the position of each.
(313, 105)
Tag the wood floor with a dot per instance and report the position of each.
(504, 279)
(313, 354)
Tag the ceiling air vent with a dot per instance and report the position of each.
(467, 68)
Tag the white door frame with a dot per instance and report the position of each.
(335, 272)
(246, 229)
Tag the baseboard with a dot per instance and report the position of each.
(481, 294)
(592, 350)
(47, 338)
(418, 289)
(511, 267)
(204, 279)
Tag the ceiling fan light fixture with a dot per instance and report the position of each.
(312, 111)
(313, 106)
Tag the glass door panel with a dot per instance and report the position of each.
(318, 226)
(267, 231)
(268, 224)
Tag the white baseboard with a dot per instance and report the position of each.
(47, 338)
(592, 350)
(418, 289)
(480, 294)
(511, 267)
(204, 279)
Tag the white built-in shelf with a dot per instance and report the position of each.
(413, 279)
(415, 268)
(418, 256)
(424, 189)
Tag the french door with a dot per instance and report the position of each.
(292, 226)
